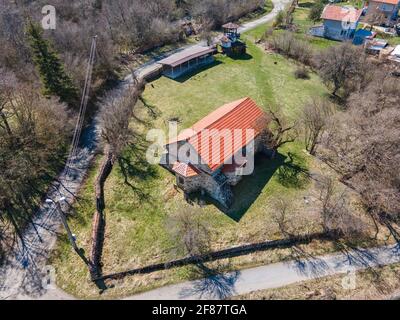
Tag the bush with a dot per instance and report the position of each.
(316, 11)
(279, 19)
(286, 44)
(302, 73)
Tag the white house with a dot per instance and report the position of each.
(340, 23)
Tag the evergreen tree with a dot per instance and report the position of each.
(52, 73)
(316, 10)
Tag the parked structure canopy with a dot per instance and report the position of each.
(186, 55)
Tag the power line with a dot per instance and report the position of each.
(82, 109)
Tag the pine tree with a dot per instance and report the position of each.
(52, 73)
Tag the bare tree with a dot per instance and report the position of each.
(281, 210)
(336, 216)
(364, 147)
(315, 117)
(33, 137)
(116, 113)
(8, 82)
(375, 18)
(190, 232)
(341, 66)
(279, 131)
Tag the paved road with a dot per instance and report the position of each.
(22, 275)
(277, 275)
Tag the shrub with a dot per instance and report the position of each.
(302, 73)
(316, 11)
(279, 19)
(286, 44)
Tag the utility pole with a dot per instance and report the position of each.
(64, 221)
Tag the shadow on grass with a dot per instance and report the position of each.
(306, 4)
(249, 189)
(196, 71)
(224, 254)
(245, 56)
(293, 173)
(135, 170)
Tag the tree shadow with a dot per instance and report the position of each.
(248, 190)
(245, 56)
(183, 78)
(306, 4)
(135, 169)
(293, 173)
(213, 283)
(307, 263)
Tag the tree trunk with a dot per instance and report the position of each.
(6, 125)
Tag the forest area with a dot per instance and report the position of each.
(42, 71)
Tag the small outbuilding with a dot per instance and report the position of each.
(395, 54)
(186, 60)
(230, 42)
(375, 46)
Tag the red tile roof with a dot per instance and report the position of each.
(338, 13)
(238, 115)
(185, 170)
(387, 1)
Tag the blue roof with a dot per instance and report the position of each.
(360, 36)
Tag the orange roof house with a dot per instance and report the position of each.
(395, 2)
(212, 146)
(389, 8)
(338, 13)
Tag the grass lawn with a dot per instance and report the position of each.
(138, 214)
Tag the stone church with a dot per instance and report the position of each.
(213, 155)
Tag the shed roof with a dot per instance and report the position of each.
(377, 44)
(185, 55)
(396, 51)
(184, 169)
(338, 13)
(241, 114)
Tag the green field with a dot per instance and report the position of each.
(138, 214)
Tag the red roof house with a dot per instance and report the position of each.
(208, 155)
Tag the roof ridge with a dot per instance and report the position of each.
(225, 114)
